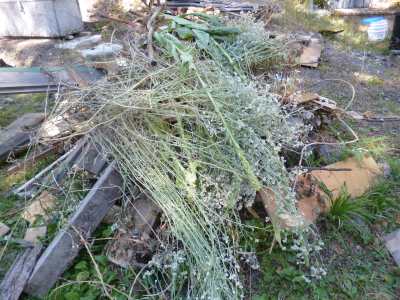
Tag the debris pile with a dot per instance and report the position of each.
(184, 135)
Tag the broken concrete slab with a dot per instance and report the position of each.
(357, 181)
(17, 276)
(392, 242)
(66, 245)
(34, 234)
(144, 213)
(282, 219)
(101, 51)
(39, 207)
(127, 251)
(80, 42)
(4, 229)
(112, 215)
(18, 135)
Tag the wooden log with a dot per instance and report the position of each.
(18, 275)
(66, 245)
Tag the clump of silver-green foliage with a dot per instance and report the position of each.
(201, 138)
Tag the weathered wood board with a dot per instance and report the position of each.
(66, 245)
(17, 136)
(17, 276)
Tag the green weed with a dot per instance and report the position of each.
(20, 105)
(358, 265)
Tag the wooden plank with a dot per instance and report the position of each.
(40, 80)
(66, 245)
(18, 275)
(60, 166)
(364, 12)
(17, 136)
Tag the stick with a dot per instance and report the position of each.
(115, 19)
(30, 161)
(327, 169)
(150, 28)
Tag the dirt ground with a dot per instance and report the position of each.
(374, 77)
